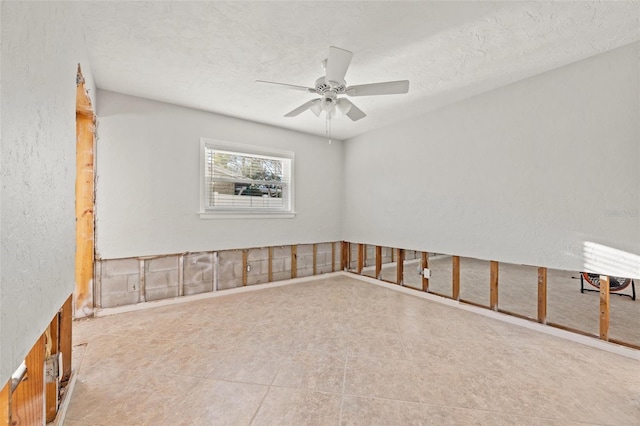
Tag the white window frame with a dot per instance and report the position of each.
(206, 212)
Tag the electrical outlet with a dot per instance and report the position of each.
(248, 268)
(426, 273)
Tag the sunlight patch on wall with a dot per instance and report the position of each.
(606, 260)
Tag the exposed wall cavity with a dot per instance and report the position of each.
(133, 280)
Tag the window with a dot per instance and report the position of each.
(240, 180)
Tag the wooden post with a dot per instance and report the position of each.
(604, 307)
(85, 129)
(4, 404)
(344, 256)
(493, 296)
(542, 295)
(378, 261)
(315, 259)
(360, 258)
(27, 401)
(400, 267)
(245, 257)
(66, 314)
(143, 283)
(181, 275)
(333, 256)
(456, 277)
(294, 261)
(425, 265)
(51, 388)
(270, 272)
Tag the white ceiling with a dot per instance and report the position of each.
(207, 55)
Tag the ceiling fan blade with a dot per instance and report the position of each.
(290, 86)
(386, 88)
(302, 108)
(350, 110)
(337, 64)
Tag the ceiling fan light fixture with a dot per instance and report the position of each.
(344, 107)
(316, 108)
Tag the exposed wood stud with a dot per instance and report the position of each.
(4, 404)
(27, 401)
(604, 307)
(143, 286)
(455, 271)
(542, 295)
(425, 265)
(245, 264)
(84, 211)
(181, 275)
(378, 261)
(361, 249)
(52, 388)
(216, 270)
(66, 317)
(294, 261)
(333, 257)
(344, 256)
(270, 273)
(493, 295)
(400, 267)
(315, 259)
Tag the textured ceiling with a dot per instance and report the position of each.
(207, 55)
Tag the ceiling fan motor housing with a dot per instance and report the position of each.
(323, 86)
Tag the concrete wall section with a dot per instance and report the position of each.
(42, 44)
(543, 172)
(148, 156)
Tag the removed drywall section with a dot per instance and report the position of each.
(119, 282)
(527, 174)
(148, 156)
(161, 277)
(258, 266)
(198, 273)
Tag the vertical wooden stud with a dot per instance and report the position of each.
(270, 272)
(604, 307)
(542, 295)
(85, 129)
(315, 259)
(245, 263)
(425, 265)
(455, 271)
(344, 256)
(333, 257)
(143, 284)
(66, 316)
(392, 257)
(361, 248)
(493, 294)
(4, 404)
(294, 261)
(378, 261)
(400, 267)
(52, 388)
(27, 401)
(181, 275)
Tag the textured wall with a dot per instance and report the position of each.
(41, 49)
(529, 173)
(148, 157)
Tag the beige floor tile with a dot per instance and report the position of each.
(299, 354)
(295, 407)
(314, 371)
(382, 378)
(380, 412)
(213, 402)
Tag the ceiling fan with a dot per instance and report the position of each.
(332, 84)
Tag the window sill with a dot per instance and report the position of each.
(238, 215)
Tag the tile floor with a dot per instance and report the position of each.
(339, 351)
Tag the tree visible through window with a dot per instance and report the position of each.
(243, 181)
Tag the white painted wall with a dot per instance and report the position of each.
(528, 173)
(148, 157)
(41, 49)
